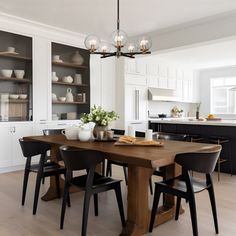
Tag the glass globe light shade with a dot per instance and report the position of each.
(131, 47)
(105, 47)
(119, 38)
(92, 42)
(144, 44)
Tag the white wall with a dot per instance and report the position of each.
(159, 107)
(204, 80)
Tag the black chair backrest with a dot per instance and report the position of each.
(139, 134)
(170, 136)
(47, 132)
(203, 162)
(80, 159)
(33, 148)
(118, 131)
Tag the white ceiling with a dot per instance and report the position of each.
(208, 56)
(99, 16)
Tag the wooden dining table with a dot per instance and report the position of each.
(142, 161)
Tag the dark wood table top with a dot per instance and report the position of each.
(151, 157)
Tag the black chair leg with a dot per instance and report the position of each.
(68, 200)
(154, 208)
(177, 208)
(43, 180)
(85, 213)
(213, 207)
(63, 208)
(125, 174)
(120, 203)
(192, 206)
(108, 168)
(103, 167)
(37, 189)
(58, 186)
(150, 186)
(25, 183)
(95, 198)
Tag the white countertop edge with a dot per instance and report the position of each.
(188, 122)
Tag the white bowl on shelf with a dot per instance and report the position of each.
(19, 74)
(62, 99)
(22, 96)
(6, 73)
(13, 96)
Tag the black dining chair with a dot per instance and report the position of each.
(165, 136)
(92, 182)
(118, 163)
(43, 169)
(47, 132)
(185, 186)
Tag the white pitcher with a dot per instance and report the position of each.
(69, 95)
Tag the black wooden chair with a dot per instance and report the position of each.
(92, 183)
(185, 186)
(110, 162)
(43, 169)
(166, 136)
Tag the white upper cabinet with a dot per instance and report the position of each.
(152, 73)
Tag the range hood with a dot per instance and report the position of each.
(160, 94)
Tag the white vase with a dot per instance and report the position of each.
(77, 58)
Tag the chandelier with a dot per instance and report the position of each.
(119, 40)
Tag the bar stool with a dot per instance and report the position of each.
(222, 141)
(194, 138)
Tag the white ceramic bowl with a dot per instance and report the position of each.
(62, 99)
(23, 96)
(6, 73)
(19, 74)
(13, 96)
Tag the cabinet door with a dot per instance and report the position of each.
(6, 147)
(135, 102)
(185, 90)
(152, 74)
(179, 89)
(38, 128)
(19, 131)
(130, 66)
(162, 82)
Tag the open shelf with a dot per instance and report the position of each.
(69, 64)
(18, 100)
(69, 103)
(25, 80)
(71, 84)
(14, 56)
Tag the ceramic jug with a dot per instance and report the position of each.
(77, 58)
(84, 134)
(69, 95)
(71, 132)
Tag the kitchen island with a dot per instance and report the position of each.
(205, 129)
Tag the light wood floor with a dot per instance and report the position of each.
(19, 221)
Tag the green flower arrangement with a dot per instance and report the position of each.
(99, 116)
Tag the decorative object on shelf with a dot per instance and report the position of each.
(55, 117)
(13, 96)
(100, 117)
(176, 112)
(56, 58)
(19, 74)
(54, 97)
(23, 96)
(67, 79)
(54, 77)
(6, 73)
(62, 99)
(77, 59)
(80, 97)
(69, 95)
(11, 49)
(118, 40)
(78, 79)
(197, 110)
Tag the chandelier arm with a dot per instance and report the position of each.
(138, 53)
(124, 54)
(108, 55)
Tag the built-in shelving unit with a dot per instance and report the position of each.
(15, 54)
(80, 91)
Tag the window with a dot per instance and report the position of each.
(223, 95)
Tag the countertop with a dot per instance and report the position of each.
(193, 121)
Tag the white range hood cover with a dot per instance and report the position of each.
(159, 94)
